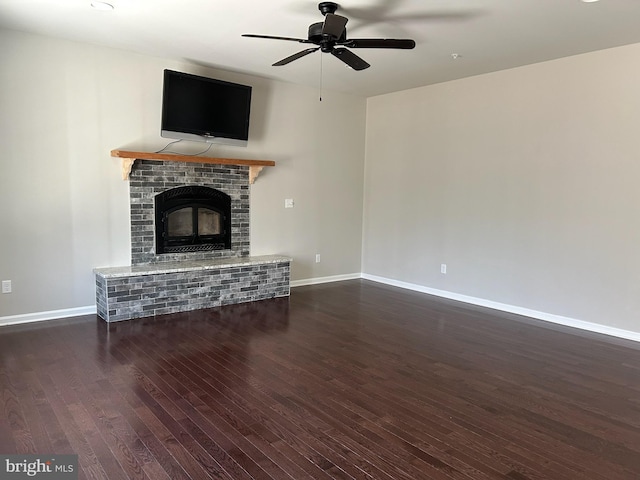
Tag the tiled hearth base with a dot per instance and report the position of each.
(124, 293)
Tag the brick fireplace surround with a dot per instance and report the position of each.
(176, 282)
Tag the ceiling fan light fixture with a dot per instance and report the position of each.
(104, 6)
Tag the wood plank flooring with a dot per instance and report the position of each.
(350, 380)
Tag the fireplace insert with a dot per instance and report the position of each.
(192, 219)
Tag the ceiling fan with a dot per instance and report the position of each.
(330, 36)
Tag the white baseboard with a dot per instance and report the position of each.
(547, 317)
(318, 280)
(50, 315)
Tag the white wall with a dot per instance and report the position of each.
(64, 208)
(524, 182)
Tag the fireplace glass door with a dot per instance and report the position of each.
(189, 221)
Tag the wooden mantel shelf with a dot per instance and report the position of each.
(128, 157)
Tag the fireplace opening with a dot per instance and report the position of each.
(192, 219)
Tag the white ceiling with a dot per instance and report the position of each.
(488, 35)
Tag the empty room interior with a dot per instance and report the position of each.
(417, 257)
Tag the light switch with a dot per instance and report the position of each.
(288, 203)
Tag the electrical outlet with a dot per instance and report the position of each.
(443, 268)
(317, 258)
(6, 286)
(288, 203)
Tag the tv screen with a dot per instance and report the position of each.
(205, 109)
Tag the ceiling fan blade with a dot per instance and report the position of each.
(350, 58)
(334, 25)
(405, 44)
(295, 56)
(299, 40)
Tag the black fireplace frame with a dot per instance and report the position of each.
(195, 197)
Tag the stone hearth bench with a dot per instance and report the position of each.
(123, 293)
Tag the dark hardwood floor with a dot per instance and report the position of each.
(346, 380)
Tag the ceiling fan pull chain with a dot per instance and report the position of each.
(321, 77)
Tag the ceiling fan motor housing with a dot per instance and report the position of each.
(315, 35)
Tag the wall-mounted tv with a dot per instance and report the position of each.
(205, 109)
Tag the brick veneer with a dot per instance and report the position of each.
(128, 292)
(150, 177)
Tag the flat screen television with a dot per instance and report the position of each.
(205, 109)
